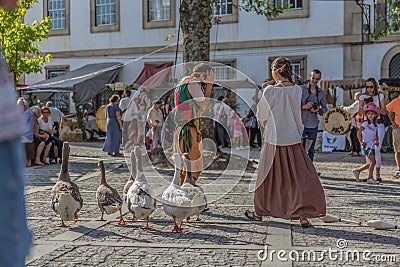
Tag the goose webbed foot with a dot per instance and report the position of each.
(121, 219)
(132, 218)
(63, 224)
(147, 227)
(101, 218)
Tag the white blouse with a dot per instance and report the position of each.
(45, 126)
(280, 110)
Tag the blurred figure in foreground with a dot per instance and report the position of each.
(14, 233)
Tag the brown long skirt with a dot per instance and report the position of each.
(288, 186)
(194, 154)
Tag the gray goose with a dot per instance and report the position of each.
(65, 197)
(108, 199)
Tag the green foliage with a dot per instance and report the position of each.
(169, 36)
(79, 118)
(19, 40)
(390, 23)
(261, 7)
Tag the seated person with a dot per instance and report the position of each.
(46, 125)
(41, 140)
(27, 136)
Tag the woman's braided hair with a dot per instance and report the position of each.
(282, 65)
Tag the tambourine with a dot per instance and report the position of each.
(101, 118)
(336, 121)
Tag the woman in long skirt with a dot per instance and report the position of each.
(287, 186)
(114, 127)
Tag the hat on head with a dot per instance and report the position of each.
(371, 108)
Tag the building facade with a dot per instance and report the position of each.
(333, 36)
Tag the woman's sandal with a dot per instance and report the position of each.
(251, 215)
(305, 223)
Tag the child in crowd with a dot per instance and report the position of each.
(237, 132)
(89, 131)
(368, 137)
(231, 120)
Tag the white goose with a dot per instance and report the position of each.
(140, 196)
(108, 199)
(176, 202)
(65, 197)
(131, 177)
(195, 192)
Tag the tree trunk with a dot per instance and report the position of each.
(196, 25)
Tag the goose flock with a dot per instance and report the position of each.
(178, 202)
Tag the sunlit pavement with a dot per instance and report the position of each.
(224, 236)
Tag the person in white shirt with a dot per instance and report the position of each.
(287, 186)
(57, 117)
(156, 119)
(129, 118)
(46, 125)
(373, 96)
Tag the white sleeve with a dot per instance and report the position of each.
(122, 104)
(352, 109)
(263, 109)
(195, 91)
(364, 124)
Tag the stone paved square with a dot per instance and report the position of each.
(223, 236)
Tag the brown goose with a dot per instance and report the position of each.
(65, 197)
(108, 199)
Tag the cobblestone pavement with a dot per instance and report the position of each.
(224, 236)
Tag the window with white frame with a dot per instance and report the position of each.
(57, 11)
(105, 12)
(222, 72)
(223, 8)
(226, 11)
(54, 71)
(60, 100)
(104, 15)
(299, 66)
(158, 14)
(159, 10)
(293, 9)
(292, 4)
